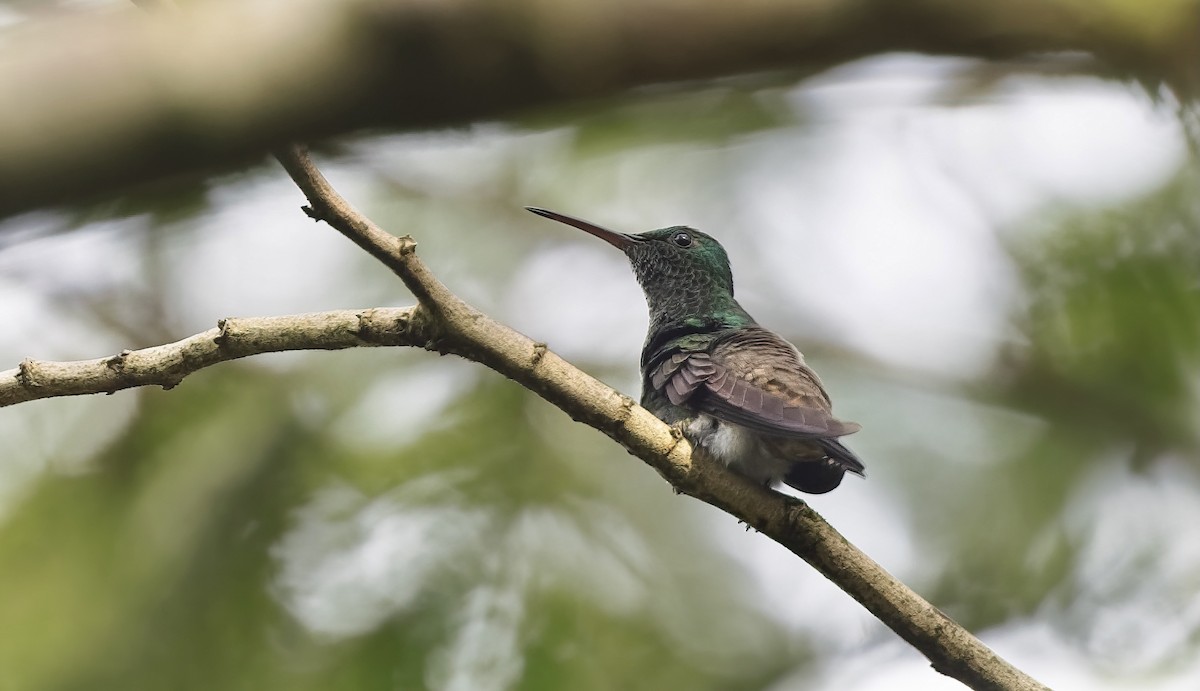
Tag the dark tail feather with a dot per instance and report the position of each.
(838, 453)
(814, 477)
(819, 477)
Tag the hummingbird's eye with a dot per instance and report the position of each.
(682, 239)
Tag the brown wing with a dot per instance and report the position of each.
(755, 379)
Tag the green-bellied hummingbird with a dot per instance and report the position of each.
(737, 391)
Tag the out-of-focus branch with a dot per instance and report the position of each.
(461, 329)
(94, 105)
(167, 365)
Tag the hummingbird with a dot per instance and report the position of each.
(737, 391)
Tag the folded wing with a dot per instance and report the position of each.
(755, 379)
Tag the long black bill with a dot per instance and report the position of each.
(618, 240)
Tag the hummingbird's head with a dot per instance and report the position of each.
(682, 271)
(679, 256)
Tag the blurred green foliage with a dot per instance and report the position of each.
(1114, 323)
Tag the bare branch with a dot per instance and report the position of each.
(465, 331)
(167, 365)
(138, 98)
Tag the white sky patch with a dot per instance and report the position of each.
(402, 405)
(283, 262)
(582, 300)
(881, 219)
(1137, 566)
(486, 654)
(349, 564)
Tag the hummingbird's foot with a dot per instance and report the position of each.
(677, 429)
(750, 527)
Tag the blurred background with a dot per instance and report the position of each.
(994, 266)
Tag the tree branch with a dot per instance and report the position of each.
(167, 365)
(462, 330)
(135, 98)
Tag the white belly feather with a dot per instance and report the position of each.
(736, 447)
